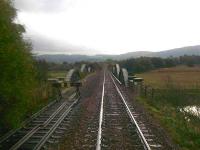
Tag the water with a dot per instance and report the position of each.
(193, 110)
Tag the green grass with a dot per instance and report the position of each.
(185, 134)
(54, 74)
(175, 88)
(14, 116)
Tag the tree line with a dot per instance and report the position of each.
(64, 66)
(22, 78)
(142, 64)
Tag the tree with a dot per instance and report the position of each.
(17, 76)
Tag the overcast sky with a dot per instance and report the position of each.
(109, 26)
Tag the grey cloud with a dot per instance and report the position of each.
(42, 5)
(44, 45)
(40, 43)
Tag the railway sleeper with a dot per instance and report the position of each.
(31, 142)
(56, 136)
(52, 141)
(59, 131)
(157, 146)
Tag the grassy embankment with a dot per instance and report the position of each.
(43, 94)
(175, 88)
(51, 90)
(56, 74)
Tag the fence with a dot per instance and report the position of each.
(147, 91)
(174, 95)
(165, 93)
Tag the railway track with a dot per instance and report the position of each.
(118, 128)
(153, 140)
(104, 120)
(46, 128)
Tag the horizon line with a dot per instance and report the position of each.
(38, 53)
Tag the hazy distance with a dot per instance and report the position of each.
(109, 26)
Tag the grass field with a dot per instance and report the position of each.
(181, 76)
(164, 106)
(182, 128)
(54, 74)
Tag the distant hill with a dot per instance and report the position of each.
(190, 50)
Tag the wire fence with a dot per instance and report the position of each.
(148, 91)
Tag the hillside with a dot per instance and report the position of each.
(191, 50)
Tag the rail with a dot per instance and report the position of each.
(52, 129)
(43, 125)
(116, 79)
(11, 132)
(144, 141)
(98, 146)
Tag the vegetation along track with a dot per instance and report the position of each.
(118, 128)
(42, 128)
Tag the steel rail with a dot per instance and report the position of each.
(36, 128)
(143, 139)
(35, 115)
(55, 113)
(116, 78)
(98, 146)
(10, 133)
(53, 128)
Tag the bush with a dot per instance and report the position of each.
(18, 82)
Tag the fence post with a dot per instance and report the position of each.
(145, 91)
(141, 90)
(152, 92)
